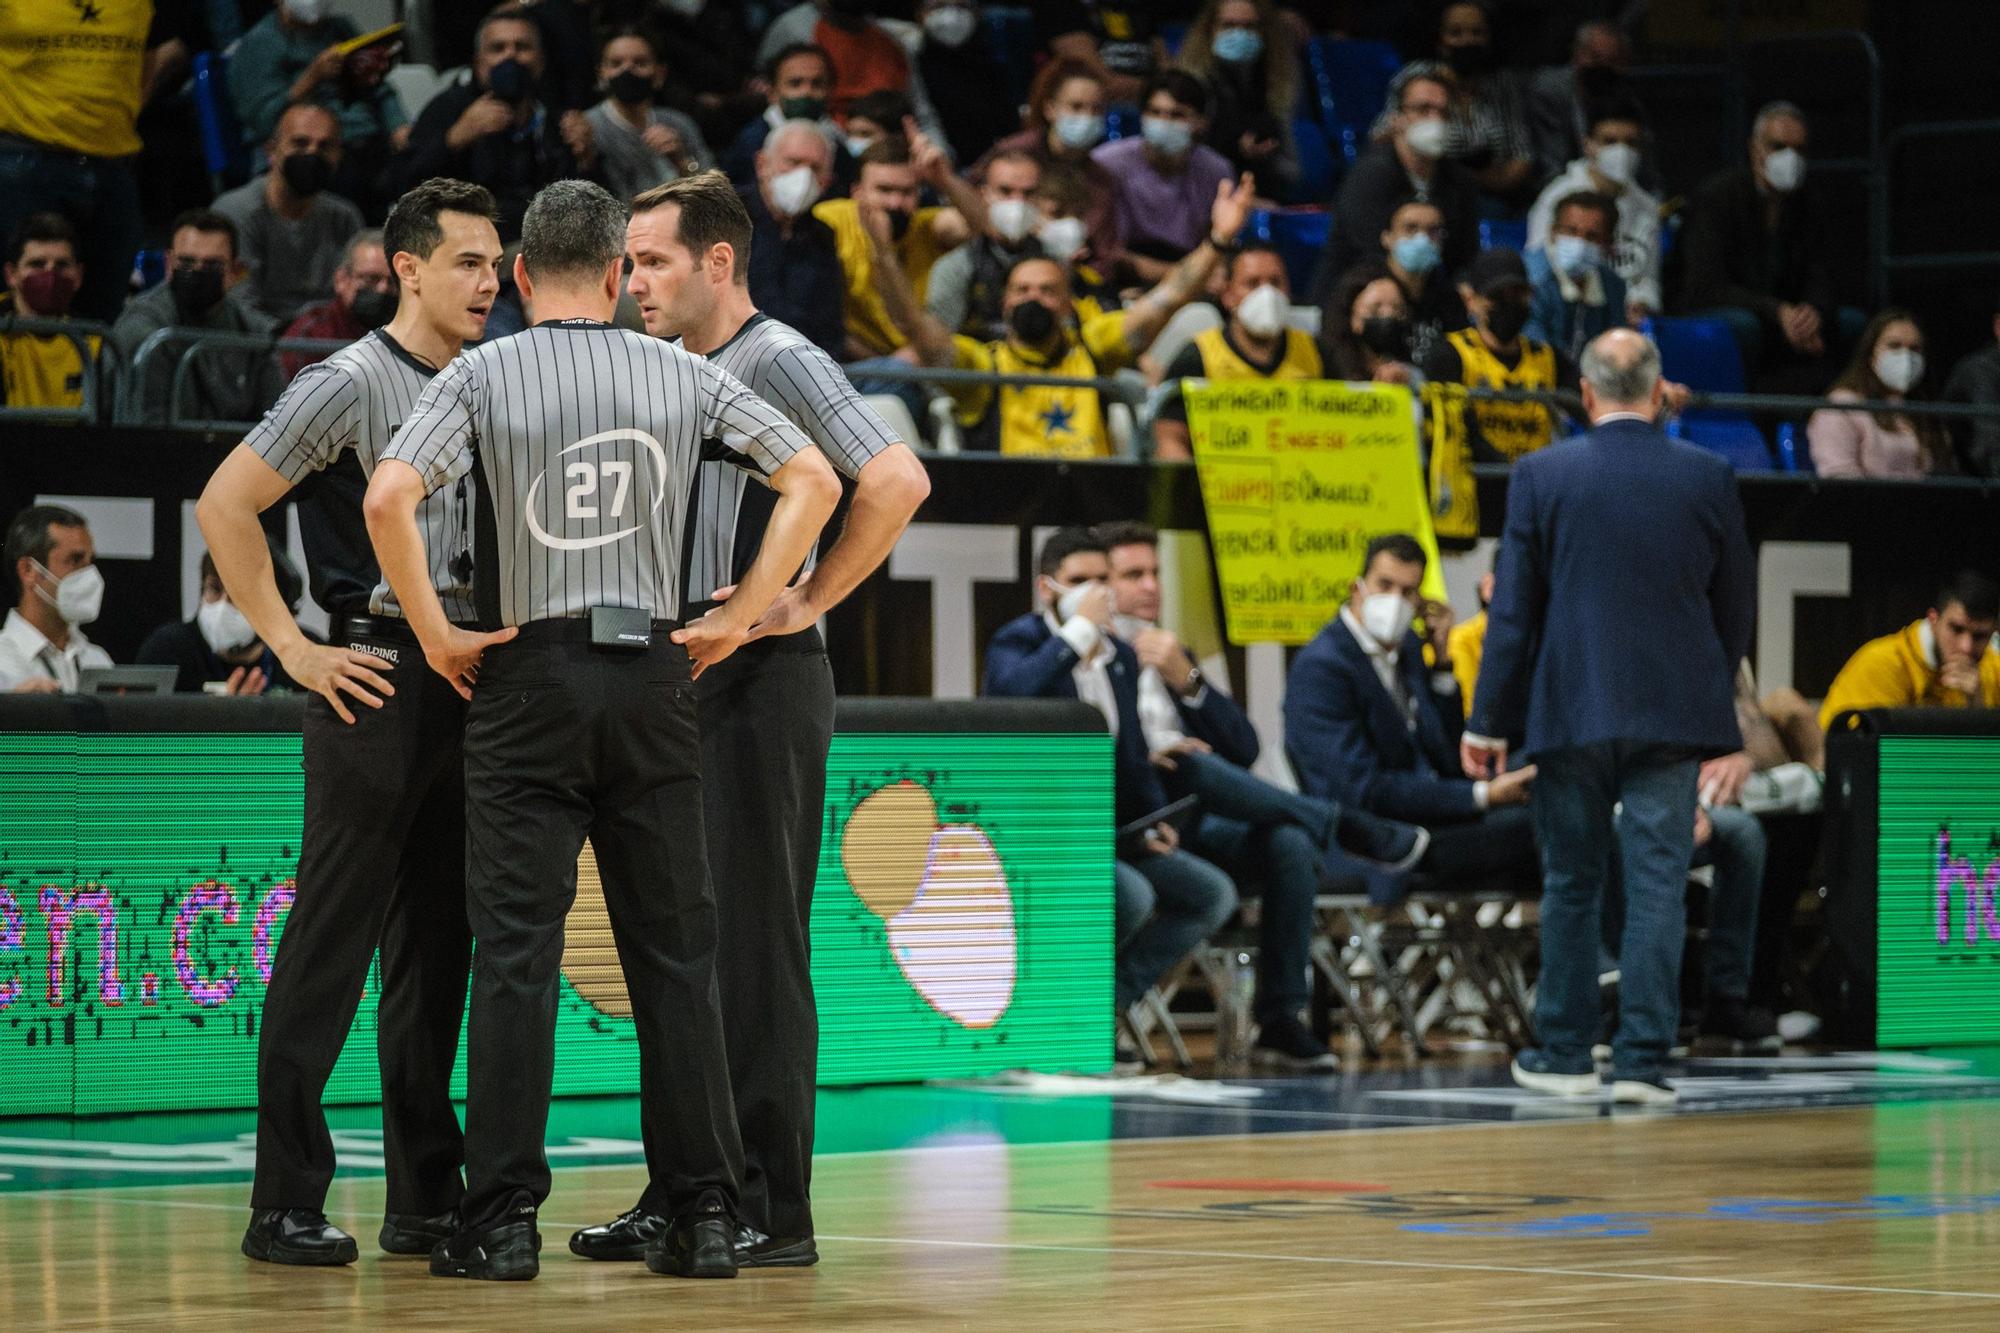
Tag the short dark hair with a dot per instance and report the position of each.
(884, 106)
(1601, 204)
(572, 229)
(891, 150)
(1026, 260)
(712, 214)
(1978, 594)
(1064, 543)
(1618, 108)
(793, 52)
(40, 227)
(413, 226)
(28, 537)
(208, 220)
(1397, 546)
(1126, 532)
(1185, 88)
(1252, 248)
(506, 12)
(623, 31)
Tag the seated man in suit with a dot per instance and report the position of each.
(1204, 745)
(1370, 723)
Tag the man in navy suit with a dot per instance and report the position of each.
(1625, 602)
(1370, 723)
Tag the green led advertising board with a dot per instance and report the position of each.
(1938, 891)
(962, 918)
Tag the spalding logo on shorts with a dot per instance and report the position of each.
(597, 490)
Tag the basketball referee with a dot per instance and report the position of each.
(584, 443)
(382, 858)
(767, 713)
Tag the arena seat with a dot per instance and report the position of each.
(1011, 33)
(1503, 233)
(1317, 165)
(1350, 80)
(221, 137)
(1702, 354)
(1298, 234)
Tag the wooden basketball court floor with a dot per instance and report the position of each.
(1814, 1193)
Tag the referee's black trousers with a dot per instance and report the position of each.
(382, 860)
(565, 741)
(766, 726)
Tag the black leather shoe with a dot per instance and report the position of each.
(409, 1233)
(297, 1236)
(698, 1243)
(1388, 843)
(497, 1254)
(624, 1237)
(754, 1249)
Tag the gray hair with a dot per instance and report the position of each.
(1615, 372)
(573, 229)
(358, 242)
(1779, 110)
(790, 128)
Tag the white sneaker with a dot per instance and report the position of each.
(1643, 1092)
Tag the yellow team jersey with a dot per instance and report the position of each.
(867, 318)
(1466, 644)
(1045, 422)
(1513, 430)
(70, 73)
(1895, 671)
(1219, 360)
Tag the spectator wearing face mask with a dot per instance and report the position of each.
(1407, 163)
(1065, 120)
(1166, 177)
(794, 264)
(1563, 102)
(1750, 254)
(966, 285)
(960, 71)
(364, 298)
(1061, 203)
(641, 142)
(1496, 353)
(1413, 254)
(204, 289)
(873, 118)
(1257, 342)
(291, 228)
(53, 563)
(1578, 295)
(800, 79)
(709, 46)
(42, 370)
(1888, 366)
(1247, 54)
(217, 652)
(1365, 334)
(867, 57)
(1610, 167)
(1486, 123)
(495, 130)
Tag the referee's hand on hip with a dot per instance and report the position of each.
(331, 672)
(455, 656)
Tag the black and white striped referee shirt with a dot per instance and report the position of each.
(789, 371)
(585, 443)
(356, 399)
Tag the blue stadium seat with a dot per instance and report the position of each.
(1794, 455)
(151, 266)
(221, 137)
(1351, 82)
(1175, 36)
(1505, 233)
(1120, 121)
(1316, 162)
(1298, 235)
(1011, 32)
(1701, 353)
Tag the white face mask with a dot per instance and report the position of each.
(1079, 131)
(1428, 138)
(951, 25)
(857, 146)
(1061, 238)
(1573, 255)
(1262, 313)
(1387, 616)
(794, 191)
(1617, 163)
(1899, 367)
(1785, 170)
(223, 628)
(1129, 628)
(1171, 138)
(1013, 219)
(79, 596)
(1070, 598)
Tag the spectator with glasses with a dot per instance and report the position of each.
(364, 298)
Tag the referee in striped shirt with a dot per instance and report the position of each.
(584, 443)
(382, 856)
(767, 713)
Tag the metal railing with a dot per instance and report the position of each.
(79, 332)
(200, 343)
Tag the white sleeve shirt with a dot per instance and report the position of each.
(26, 654)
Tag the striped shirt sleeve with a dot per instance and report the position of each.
(316, 417)
(438, 438)
(805, 384)
(744, 429)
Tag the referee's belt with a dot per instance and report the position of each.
(355, 626)
(806, 640)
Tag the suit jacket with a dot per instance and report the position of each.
(1349, 741)
(1027, 660)
(1725, 256)
(1626, 596)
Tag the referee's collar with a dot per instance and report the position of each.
(577, 323)
(405, 355)
(756, 317)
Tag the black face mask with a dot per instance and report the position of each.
(1386, 335)
(1598, 82)
(1507, 318)
(1032, 322)
(511, 81)
(1474, 59)
(629, 85)
(306, 174)
(372, 308)
(196, 291)
(899, 222)
(802, 108)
